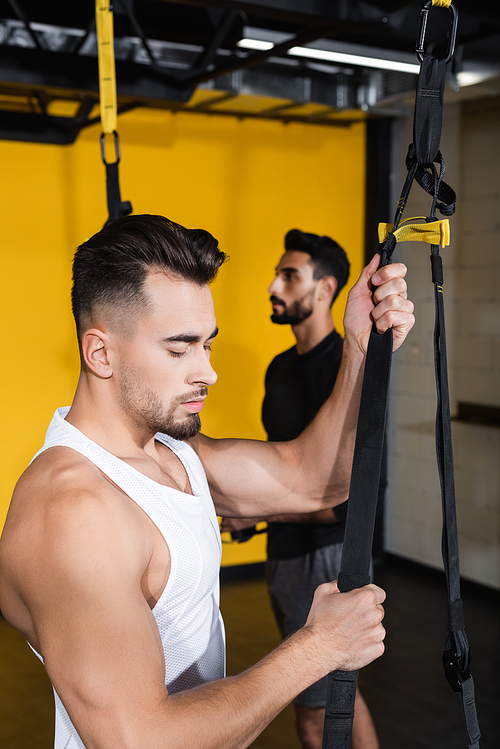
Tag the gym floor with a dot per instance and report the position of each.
(412, 705)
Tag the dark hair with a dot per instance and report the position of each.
(110, 268)
(328, 257)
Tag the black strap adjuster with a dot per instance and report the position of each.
(454, 675)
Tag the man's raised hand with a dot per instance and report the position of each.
(380, 297)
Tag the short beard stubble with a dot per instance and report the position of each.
(145, 410)
(297, 312)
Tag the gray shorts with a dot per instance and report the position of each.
(291, 584)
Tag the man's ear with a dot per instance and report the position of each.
(95, 352)
(328, 287)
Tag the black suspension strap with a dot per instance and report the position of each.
(108, 105)
(360, 519)
(116, 206)
(423, 155)
(456, 655)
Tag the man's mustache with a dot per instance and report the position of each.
(277, 300)
(190, 396)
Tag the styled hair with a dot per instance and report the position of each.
(110, 268)
(327, 257)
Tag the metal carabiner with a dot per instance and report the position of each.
(419, 49)
(117, 149)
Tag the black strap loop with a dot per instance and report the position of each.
(425, 179)
(116, 206)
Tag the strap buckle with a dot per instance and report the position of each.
(454, 675)
(117, 149)
(424, 13)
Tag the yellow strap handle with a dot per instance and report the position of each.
(437, 232)
(442, 3)
(107, 75)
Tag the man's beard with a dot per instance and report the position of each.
(297, 312)
(145, 410)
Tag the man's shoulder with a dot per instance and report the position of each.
(329, 351)
(331, 345)
(281, 359)
(58, 469)
(62, 495)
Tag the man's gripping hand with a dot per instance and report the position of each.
(380, 297)
(348, 626)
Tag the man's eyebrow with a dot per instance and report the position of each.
(188, 337)
(287, 270)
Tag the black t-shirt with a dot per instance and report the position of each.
(296, 388)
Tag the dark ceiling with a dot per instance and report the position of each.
(166, 50)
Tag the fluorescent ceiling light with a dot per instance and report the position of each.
(472, 77)
(367, 62)
(339, 57)
(254, 44)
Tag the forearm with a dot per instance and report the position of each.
(325, 517)
(321, 516)
(325, 449)
(234, 711)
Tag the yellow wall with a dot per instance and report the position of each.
(247, 182)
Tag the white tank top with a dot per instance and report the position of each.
(187, 612)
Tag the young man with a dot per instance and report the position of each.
(111, 548)
(304, 550)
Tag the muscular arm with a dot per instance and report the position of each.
(257, 479)
(77, 570)
(249, 478)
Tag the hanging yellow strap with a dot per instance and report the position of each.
(107, 75)
(442, 3)
(437, 232)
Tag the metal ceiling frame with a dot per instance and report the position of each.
(38, 75)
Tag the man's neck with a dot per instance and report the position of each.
(312, 331)
(92, 412)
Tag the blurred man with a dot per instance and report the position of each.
(304, 550)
